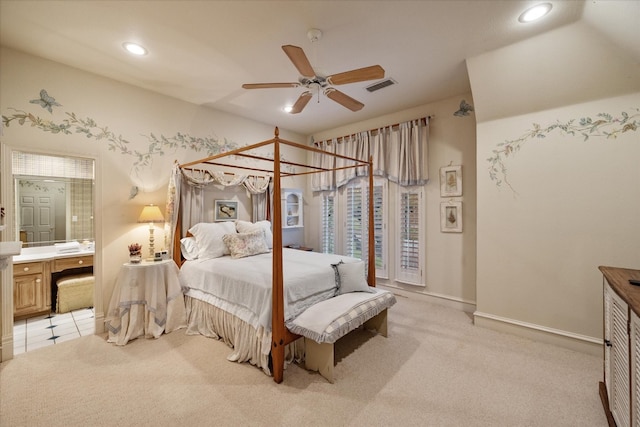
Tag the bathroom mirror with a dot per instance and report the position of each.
(54, 198)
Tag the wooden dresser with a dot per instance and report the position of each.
(620, 390)
(33, 281)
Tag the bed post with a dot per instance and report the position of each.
(277, 293)
(371, 271)
(177, 235)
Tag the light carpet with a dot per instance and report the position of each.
(435, 369)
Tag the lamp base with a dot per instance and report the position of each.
(151, 240)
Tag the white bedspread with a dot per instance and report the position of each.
(242, 286)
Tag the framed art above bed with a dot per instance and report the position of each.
(226, 210)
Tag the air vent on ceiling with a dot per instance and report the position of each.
(380, 85)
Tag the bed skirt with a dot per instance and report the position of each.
(249, 344)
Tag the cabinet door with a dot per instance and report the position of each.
(28, 294)
(635, 369)
(607, 338)
(620, 381)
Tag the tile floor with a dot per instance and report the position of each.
(50, 329)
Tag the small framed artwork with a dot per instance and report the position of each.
(226, 210)
(451, 181)
(451, 217)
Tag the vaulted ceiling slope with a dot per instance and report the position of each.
(203, 51)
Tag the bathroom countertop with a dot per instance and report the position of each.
(44, 253)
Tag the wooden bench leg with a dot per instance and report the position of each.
(319, 357)
(378, 323)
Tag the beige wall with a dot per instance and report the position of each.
(449, 257)
(127, 111)
(528, 256)
(568, 202)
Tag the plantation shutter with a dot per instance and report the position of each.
(410, 231)
(356, 226)
(328, 224)
(354, 220)
(380, 242)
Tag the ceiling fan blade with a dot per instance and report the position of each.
(269, 85)
(343, 99)
(302, 101)
(299, 59)
(359, 75)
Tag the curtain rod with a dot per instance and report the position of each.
(374, 131)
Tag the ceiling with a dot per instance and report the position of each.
(203, 51)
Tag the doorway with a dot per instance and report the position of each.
(49, 198)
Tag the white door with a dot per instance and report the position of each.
(37, 217)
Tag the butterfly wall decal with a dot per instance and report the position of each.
(464, 109)
(46, 101)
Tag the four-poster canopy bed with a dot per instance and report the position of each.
(277, 169)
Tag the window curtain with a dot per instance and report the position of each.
(408, 164)
(356, 146)
(399, 153)
(186, 192)
(324, 180)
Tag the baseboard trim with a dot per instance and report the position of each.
(448, 301)
(99, 323)
(570, 340)
(6, 348)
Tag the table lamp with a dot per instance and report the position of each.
(151, 214)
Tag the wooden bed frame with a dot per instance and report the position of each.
(281, 336)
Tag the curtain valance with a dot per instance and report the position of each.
(399, 153)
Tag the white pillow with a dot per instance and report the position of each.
(248, 227)
(189, 248)
(352, 278)
(246, 244)
(209, 238)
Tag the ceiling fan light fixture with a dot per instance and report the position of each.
(320, 84)
(135, 49)
(534, 13)
(287, 108)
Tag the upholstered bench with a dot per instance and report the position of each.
(74, 292)
(324, 323)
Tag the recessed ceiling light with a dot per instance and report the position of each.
(535, 12)
(134, 48)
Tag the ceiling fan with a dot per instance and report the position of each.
(314, 82)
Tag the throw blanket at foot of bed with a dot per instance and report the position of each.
(325, 322)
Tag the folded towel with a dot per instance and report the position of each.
(67, 247)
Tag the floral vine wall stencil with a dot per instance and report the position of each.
(157, 144)
(603, 125)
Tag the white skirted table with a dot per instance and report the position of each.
(147, 301)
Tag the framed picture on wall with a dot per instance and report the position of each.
(226, 210)
(451, 217)
(451, 181)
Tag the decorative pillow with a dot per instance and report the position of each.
(246, 244)
(209, 238)
(352, 278)
(189, 248)
(337, 274)
(248, 227)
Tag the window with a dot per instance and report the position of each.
(328, 224)
(356, 228)
(409, 232)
